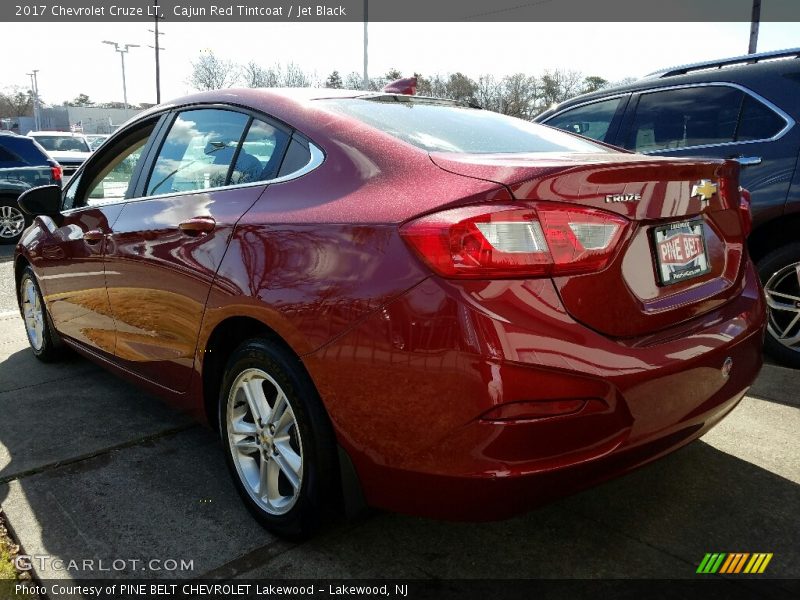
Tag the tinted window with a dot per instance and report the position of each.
(445, 127)
(198, 151)
(63, 143)
(685, 117)
(591, 120)
(297, 157)
(260, 154)
(758, 122)
(25, 149)
(8, 159)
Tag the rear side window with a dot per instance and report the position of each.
(445, 127)
(22, 152)
(63, 143)
(297, 156)
(590, 120)
(198, 151)
(758, 122)
(699, 116)
(260, 155)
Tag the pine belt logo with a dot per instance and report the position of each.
(734, 563)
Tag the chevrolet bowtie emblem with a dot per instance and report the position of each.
(705, 188)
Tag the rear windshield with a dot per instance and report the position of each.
(438, 126)
(22, 151)
(63, 143)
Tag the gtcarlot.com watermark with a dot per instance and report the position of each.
(44, 562)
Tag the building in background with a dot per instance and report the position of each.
(88, 119)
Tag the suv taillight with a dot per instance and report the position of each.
(57, 172)
(536, 240)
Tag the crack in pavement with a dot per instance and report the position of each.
(90, 455)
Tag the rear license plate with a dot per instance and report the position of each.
(680, 251)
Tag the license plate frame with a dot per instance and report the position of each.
(680, 251)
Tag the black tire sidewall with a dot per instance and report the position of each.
(768, 266)
(315, 435)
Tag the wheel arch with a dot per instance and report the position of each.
(772, 235)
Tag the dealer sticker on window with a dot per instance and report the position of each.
(681, 251)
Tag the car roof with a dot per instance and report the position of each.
(762, 73)
(64, 133)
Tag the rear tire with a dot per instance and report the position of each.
(45, 342)
(12, 221)
(780, 273)
(279, 444)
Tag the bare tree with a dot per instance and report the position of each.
(520, 95)
(256, 76)
(559, 85)
(489, 93)
(15, 102)
(294, 76)
(592, 83)
(209, 72)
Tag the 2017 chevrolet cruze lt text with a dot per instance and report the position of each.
(400, 301)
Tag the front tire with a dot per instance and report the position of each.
(780, 272)
(278, 441)
(42, 336)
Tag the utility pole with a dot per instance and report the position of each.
(157, 47)
(123, 50)
(366, 43)
(37, 121)
(754, 22)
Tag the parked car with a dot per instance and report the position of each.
(96, 139)
(69, 149)
(430, 308)
(745, 108)
(23, 165)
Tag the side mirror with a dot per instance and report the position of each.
(44, 200)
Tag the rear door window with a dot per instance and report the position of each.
(699, 116)
(260, 156)
(591, 120)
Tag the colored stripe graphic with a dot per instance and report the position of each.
(734, 562)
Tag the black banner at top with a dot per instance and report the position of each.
(398, 11)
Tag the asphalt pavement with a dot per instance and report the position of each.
(93, 468)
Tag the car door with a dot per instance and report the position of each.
(70, 260)
(166, 245)
(719, 120)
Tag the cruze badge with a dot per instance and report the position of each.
(623, 197)
(705, 189)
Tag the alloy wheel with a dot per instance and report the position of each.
(33, 314)
(12, 222)
(264, 441)
(782, 290)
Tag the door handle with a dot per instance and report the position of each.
(93, 236)
(198, 226)
(747, 161)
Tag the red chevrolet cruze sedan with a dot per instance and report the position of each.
(400, 301)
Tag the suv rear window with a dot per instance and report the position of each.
(440, 126)
(18, 151)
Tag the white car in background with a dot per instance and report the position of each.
(66, 148)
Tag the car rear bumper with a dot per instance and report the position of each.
(450, 412)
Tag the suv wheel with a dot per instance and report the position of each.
(780, 272)
(12, 221)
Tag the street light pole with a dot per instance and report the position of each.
(366, 43)
(35, 89)
(123, 50)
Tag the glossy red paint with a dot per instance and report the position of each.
(453, 398)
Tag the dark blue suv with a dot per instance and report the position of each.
(745, 108)
(23, 164)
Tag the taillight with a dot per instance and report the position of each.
(536, 240)
(56, 172)
(745, 212)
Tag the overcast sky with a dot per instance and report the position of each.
(71, 58)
